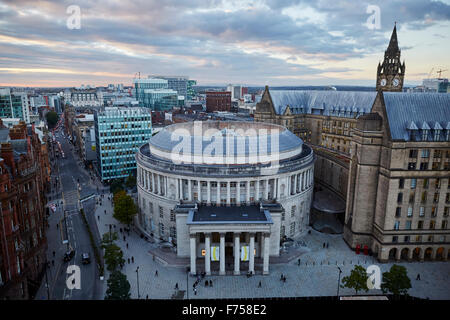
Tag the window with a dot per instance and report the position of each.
(408, 225)
(424, 166)
(411, 197)
(436, 165)
(293, 209)
(418, 238)
(410, 211)
(398, 212)
(446, 211)
(172, 216)
(413, 153)
(424, 197)
(437, 154)
(447, 197)
(425, 153)
(292, 228)
(394, 239)
(401, 183)
(436, 197)
(406, 239)
(421, 211)
(425, 183)
(411, 166)
(432, 224)
(400, 197)
(397, 225)
(444, 224)
(161, 212)
(420, 224)
(413, 183)
(437, 184)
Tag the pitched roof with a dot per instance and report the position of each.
(422, 110)
(305, 101)
(393, 43)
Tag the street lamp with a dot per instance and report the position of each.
(137, 276)
(339, 281)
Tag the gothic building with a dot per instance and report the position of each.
(386, 154)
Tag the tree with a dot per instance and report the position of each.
(396, 281)
(118, 194)
(116, 186)
(130, 182)
(52, 118)
(109, 238)
(118, 287)
(357, 279)
(113, 257)
(124, 208)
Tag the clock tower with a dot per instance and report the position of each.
(391, 72)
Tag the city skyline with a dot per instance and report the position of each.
(275, 43)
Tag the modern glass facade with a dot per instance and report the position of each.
(190, 89)
(13, 105)
(142, 88)
(119, 132)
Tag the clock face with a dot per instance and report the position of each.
(383, 82)
(395, 82)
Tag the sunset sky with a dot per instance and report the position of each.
(274, 42)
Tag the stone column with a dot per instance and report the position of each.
(153, 183)
(257, 191)
(238, 193)
(189, 190)
(251, 263)
(208, 253)
(266, 253)
(422, 254)
(296, 184)
(410, 254)
(433, 254)
(397, 254)
(247, 196)
(193, 253)
(222, 254)
(266, 189)
(208, 193)
(199, 188)
(237, 253)
(228, 193)
(218, 194)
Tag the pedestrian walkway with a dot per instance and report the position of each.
(317, 274)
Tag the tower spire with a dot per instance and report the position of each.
(393, 43)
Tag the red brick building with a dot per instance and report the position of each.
(218, 101)
(24, 180)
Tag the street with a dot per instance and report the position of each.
(67, 195)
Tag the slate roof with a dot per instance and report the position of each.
(333, 103)
(417, 111)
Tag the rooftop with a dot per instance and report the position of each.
(241, 214)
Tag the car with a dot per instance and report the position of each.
(69, 255)
(85, 258)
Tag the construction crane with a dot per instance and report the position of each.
(440, 72)
(429, 74)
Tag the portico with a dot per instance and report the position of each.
(227, 238)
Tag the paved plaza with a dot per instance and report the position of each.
(317, 274)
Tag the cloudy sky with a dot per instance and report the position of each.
(274, 42)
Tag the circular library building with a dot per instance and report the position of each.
(225, 192)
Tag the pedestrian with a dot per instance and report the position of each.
(146, 297)
(210, 283)
(281, 277)
(105, 211)
(98, 218)
(206, 283)
(195, 291)
(259, 285)
(176, 286)
(128, 260)
(132, 259)
(323, 245)
(156, 273)
(327, 245)
(284, 279)
(418, 276)
(120, 230)
(53, 262)
(57, 226)
(124, 238)
(298, 261)
(127, 245)
(54, 253)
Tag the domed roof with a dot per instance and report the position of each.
(225, 142)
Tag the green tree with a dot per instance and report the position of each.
(118, 287)
(124, 208)
(116, 186)
(108, 239)
(357, 279)
(113, 257)
(130, 182)
(52, 118)
(396, 281)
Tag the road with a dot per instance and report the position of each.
(74, 183)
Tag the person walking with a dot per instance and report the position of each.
(128, 260)
(156, 273)
(53, 263)
(298, 261)
(259, 285)
(195, 291)
(176, 286)
(124, 238)
(54, 253)
(281, 277)
(210, 283)
(206, 283)
(57, 226)
(418, 276)
(132, 259)
(127, 245)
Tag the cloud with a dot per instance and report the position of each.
(212, 41)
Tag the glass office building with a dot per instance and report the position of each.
(119, 132)
(14, 105)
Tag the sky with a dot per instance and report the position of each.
(216, 42)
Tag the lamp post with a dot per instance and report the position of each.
(137, 277)
(187, 284)
(339, 281)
